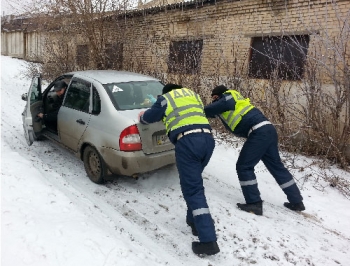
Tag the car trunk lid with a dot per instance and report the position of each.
(153, 136)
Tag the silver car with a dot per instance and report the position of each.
(98, 122)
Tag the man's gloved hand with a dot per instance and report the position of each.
(38, 117)
(140, 114)
(214, 98)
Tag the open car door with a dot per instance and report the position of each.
(32, 125)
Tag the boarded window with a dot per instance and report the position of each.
(114, 56)
(185, 57)
(282, 57)
(82, 56)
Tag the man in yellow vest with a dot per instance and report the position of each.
(242, 119)
(181, 111)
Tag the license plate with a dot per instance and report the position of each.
(162, 139)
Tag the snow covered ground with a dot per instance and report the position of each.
(51, 214)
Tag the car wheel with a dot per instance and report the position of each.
(94, 165)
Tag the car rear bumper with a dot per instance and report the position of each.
(131, 163)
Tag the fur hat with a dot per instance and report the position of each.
(170, 87)
(60, 85)
(218, 90)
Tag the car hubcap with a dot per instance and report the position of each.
(94, 163)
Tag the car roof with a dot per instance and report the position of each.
(111, 76)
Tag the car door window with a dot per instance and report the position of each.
(35, 92)
(78, 95)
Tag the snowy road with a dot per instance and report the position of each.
(52, 214)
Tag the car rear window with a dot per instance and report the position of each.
(134, 95)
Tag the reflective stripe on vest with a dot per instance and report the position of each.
(243, 106)
(184, 107)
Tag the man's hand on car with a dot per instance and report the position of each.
(140, 114)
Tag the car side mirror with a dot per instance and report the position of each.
(25, 96)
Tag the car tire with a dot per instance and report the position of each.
(94, 165)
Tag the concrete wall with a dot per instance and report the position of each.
(12, 44)
(20, 44)
(34, 46)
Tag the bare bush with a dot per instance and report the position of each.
(32, 69)
(324, 95)
(59, 56)
(70, 25)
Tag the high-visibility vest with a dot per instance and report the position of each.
(184, 107)
(243, 106)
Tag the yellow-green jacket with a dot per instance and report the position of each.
(243, 106)
(184, 107)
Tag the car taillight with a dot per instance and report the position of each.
(130, 139)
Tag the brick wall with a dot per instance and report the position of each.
(226, 27)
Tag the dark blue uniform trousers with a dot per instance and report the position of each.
(262, 144)
(193, 153)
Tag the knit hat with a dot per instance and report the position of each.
(218, 90)
(170, 87)
(60, 85)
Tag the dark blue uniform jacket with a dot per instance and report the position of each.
(157, 112)
(253, 117)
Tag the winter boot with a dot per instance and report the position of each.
(205, 248)
(295, 206)
(194, 230)
(255, 208)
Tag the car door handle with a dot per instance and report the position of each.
(80, 121)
